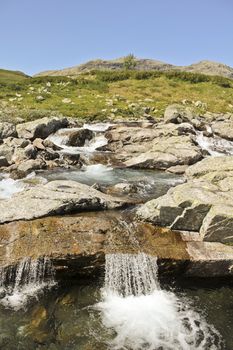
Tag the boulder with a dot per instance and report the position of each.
(7, 152)
(177, 114)
(38, 143)
(223, 129)
(7, 130)
(27, 166)
(56, 197)
(78, 138)
(204, 204)
(41, 128)
(177, 169)
(16, 142)
(167, 152)
(210, 165)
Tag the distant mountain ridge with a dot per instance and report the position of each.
(204, 67)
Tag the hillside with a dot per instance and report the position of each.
(204, 67)
(8, 76)
(101, 95)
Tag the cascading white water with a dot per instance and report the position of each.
(60, 139)
(143, 316)
(27, 279)
(131, 274)
(215, 146)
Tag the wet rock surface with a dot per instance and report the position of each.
(77, 245)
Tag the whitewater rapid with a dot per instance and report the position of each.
(142, 316)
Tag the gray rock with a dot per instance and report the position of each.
(7, 130)
(28, 166)
(30, 152)
(3, 162)
(167, 152)
(41, 128)
(177, 114)
(56, 197)
(204, 204)
(78, 138)
(177, 169)
(210, 165)
(7, 152)
(224, 129)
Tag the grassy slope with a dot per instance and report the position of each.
(99, 95)
(8, 76)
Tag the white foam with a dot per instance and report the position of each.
(20, 283)
(60, 140)
(155, 321)
(8, 187)
(215, 146)
(20, 297)
(98, 127)
(141, 316)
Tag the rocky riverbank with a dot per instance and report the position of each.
(190, 154)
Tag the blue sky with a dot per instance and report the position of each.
(37, 35)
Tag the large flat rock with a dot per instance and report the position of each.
(56, 197)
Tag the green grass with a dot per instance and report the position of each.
(11, 77)
(110, 94)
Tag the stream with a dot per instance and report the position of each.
(127, 307)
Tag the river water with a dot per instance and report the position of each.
(67, 317)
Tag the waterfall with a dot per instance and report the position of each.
(26, 279)
(131, 274)
(140, 315)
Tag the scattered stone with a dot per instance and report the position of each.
(40, 98)
(66, 100)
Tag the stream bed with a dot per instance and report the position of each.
(80, 315)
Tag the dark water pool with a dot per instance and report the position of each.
(65, 319)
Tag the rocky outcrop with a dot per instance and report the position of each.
(41, 128)
(159, 146)
(77, 245)
(204, 204)
(167, 152)
(56, 197)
